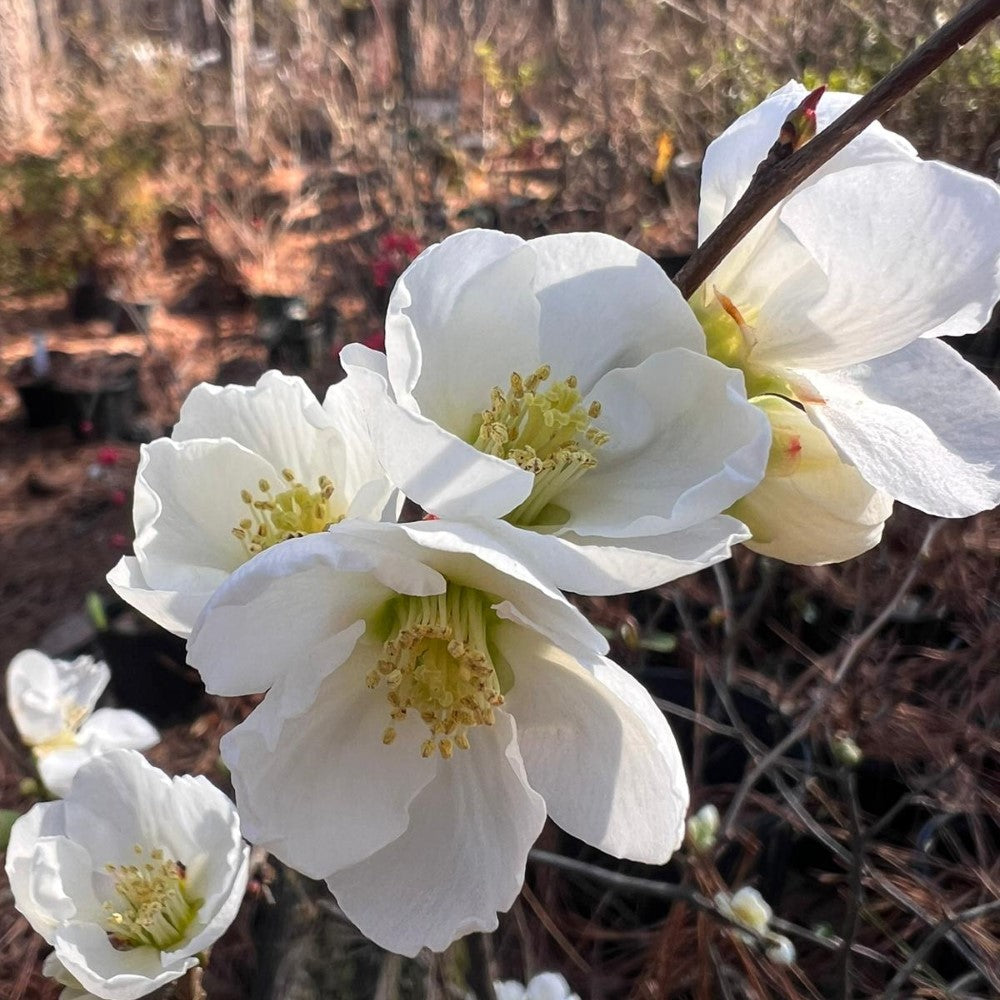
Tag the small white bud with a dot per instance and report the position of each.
(780, 950)
(702, 829)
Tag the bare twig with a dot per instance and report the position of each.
(778, 180)
(941, 930)
(856, 648)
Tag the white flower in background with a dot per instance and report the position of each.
(428, 701)
(747, 907)
(129, 877)
(544, 986)
(244, 469)
(561, 385)
(835, 301)
(52, 704)
(703, 828)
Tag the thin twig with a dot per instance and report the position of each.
(778, 180)
(854, 651)
(943, 929)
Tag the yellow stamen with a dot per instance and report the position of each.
(292, 513)
(548, 433)
(437, 662)
(153, 906)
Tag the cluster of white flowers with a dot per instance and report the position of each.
(568, 423)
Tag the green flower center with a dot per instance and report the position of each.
(292, 513)
(153, 907)
(438, 661)
(546, 432)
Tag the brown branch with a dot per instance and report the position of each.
(775, 181)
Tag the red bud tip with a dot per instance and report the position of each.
(812, 100)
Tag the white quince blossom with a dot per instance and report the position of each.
(52, 704)
(746, 907)
(835, 301)
(429, 699)
(557, 391)
(129, 877)
(244, 469)
(544, 986)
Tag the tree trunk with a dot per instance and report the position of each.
(48, 15)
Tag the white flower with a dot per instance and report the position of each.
(243, 469)
(747, 907)
(836, 300)
(130, 876)
(561, 385)
(544, 986)
(52, 704)
(812, 507)
(428, 700)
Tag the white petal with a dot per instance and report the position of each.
(605, 305)
(730, 161)
(462, 857)
(910, 250)
(474, 554)
(462, 317)
(608, 566)
(174, 610)
(205, 835)
(548, 986)
(87, 954)
(187, 502)
(432, 466)
(812, 507)
(359, 470)
(921, 424)
(118, 799)
(279, 419)
(509, 990)
(114, 728)
(49, 875)
(327, 770)
(58, 768)
(82, 680)
(685, 444)
(598, 750)
(34, 696)
(273, 614)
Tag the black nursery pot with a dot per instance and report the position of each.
(279, 317)
(149, 672)
(133, 317)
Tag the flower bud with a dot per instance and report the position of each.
(747, 908)
(845, 751)
(780, 950)
(702, 829)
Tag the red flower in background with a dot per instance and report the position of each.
(395, 252)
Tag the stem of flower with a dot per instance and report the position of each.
(774, 181)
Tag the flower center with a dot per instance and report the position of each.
(73, 716)
(292, 513)
(153, 906)
(548, 433)
(437, 661)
